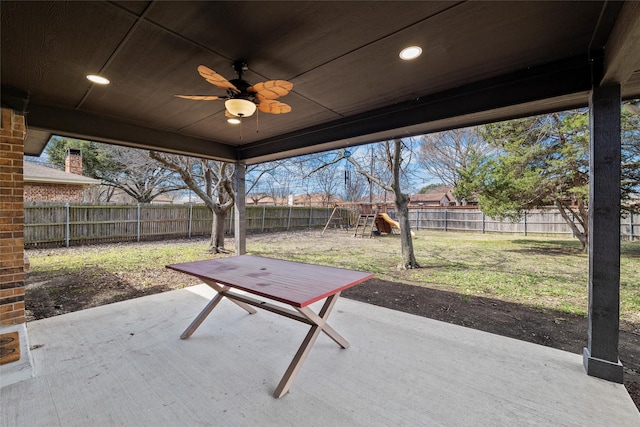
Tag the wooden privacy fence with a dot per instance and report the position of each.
(66, 225)
(538, 221)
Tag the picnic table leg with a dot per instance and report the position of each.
(222, 289)
(209, 308)
(320, 323)
(322, 317)
(200, 317)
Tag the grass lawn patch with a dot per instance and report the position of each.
(538, 271)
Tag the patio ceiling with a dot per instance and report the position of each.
(481, 62)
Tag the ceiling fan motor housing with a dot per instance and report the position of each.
(242, 86)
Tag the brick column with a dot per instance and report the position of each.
(14, 349)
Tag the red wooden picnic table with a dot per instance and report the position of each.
(293, 283)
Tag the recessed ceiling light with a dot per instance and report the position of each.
(233, 121)
(411, 52)
(98, 79)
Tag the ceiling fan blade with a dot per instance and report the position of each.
(199, 97)
(216, 79)
(272, 89)
(274, 107)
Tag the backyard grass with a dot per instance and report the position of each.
(543, 272)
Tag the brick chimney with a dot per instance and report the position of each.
(73, 161)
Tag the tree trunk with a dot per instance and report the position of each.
(216, 244)
(408, 256)
(402, 207)
(582, 218)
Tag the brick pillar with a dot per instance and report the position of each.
(12, 310)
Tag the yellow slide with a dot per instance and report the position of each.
(393, 223)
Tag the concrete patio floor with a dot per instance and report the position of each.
(124, 364)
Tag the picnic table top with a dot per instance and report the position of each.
(294, 283)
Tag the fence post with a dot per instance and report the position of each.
(289, 219)
(524, 219)
(138, 224)
(67, 230)
(445, 220)
(631, 237)
(264, 208)
(190, 219)
(483, 222)
(310, 216)
(417, 219)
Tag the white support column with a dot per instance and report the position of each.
(240, 210)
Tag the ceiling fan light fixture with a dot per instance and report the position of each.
(240, 107)
(411, 52)
(98, 79)
(234, 121)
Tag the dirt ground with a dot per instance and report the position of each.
(51, 296)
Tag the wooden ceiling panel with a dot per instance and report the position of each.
(144, 81)
(631, 89)
(286, 39)
(136, 7)
(47, 50)
(471, 53)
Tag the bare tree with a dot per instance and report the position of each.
(279, 186)
(212, 182)
(396, 158)
(356, 186)
(445, 155)
(256, 197)
(140, 176)
(258, 175)
(326, 181)
(129, 170)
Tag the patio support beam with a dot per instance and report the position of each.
(601, 354)
(82, 124)
(621, 58)
(240, 210)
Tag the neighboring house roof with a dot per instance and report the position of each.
(46, 175)
(430, 197)
(162, 200)
(260, 199)
(314, 198)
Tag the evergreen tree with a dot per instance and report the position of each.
(544, 161)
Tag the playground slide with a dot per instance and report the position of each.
(388, 219)
(393, 223)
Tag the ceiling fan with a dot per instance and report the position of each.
(242, 98)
